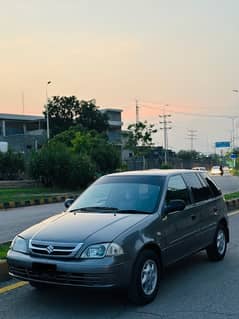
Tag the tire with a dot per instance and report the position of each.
(217, 250)
(39, 285)
(145, 279)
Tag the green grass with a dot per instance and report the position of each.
(3, 250)
(231, 196)
(21, 194)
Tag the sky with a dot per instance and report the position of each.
(177, 55)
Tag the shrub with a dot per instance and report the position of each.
(105, 155)
(56, 165)
(166, 166)
(12, 165)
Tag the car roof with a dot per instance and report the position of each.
(154, 172)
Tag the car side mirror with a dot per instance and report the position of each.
(68, 202)
(174, 206)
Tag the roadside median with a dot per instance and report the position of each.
(3, 263)
(29, 196)
(232, 201)
(37, 201)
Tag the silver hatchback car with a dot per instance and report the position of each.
(122, 231)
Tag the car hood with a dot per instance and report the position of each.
(82, 227)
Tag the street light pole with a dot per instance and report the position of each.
(234, 132)
(47, 112)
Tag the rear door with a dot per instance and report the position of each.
(211, 214)
(181, 228)
(203, 205)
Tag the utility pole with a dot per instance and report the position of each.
(165, 127)
(192, 136)
(137, 112)
(47, 112)
(23, 103)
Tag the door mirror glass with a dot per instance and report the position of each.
(68, 202)
(174, 206)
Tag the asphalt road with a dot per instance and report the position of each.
(227, 183)
(13, 221)
(192, 289)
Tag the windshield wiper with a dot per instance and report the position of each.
(132, 211)
(92, 208)
(109, 209)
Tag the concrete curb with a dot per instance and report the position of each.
(37, 201)
(232, 204)
(4, 276)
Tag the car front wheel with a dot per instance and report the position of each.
(217, 250)
(144, 284)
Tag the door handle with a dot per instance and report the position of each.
(193, 217)
(215, 211)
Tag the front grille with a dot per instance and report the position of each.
(53, 249)
(65, 278)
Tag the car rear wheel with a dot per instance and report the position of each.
(217, 250)
(145, 280)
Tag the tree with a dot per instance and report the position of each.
(62, 111)
(140, 137)
(105, 155)
(188, 155)
(66, 137)
(90, 118)
(68, 111)
(12, 165)
(56, 165)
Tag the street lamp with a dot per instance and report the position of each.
(233, 118)
(47, 112)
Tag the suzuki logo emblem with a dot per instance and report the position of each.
(50, 249)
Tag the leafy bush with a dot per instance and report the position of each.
(105, 155)
(11, 165)
(56, 165)
(166, 166)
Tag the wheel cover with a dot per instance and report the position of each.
(221, 242)
(149, 276)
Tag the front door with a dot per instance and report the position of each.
(181, 228)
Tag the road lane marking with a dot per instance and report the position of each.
(13, 286)
(233, 213)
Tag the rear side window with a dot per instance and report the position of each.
(177, 189)
(214, 189)
(198, 190)
(207, 192)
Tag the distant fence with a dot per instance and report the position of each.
(139, 163)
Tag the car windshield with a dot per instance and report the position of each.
(123, 194)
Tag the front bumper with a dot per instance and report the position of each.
(95, 273)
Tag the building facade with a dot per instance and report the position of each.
(23, 133)
(115, 125)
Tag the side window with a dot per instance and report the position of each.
(177, 189)
(198, 191)
(215, 191)
(207, 192)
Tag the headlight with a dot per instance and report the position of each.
(19, 244)
(102, 250)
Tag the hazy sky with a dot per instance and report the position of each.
(184, 53)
